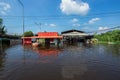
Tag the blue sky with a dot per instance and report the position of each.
(60, 15)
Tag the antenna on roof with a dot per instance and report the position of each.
(39, 25)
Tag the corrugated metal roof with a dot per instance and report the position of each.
(73, 30)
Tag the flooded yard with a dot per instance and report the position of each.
(75, 62)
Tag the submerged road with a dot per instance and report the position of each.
(77, 62)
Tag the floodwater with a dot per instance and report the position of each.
(75, 62)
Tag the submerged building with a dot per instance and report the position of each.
(43, 38)
(72, 36)
(47, 38)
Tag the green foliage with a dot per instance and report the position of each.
(1, 21)
(112, 36)
(2, 28)
(42, 42)
(28, 34)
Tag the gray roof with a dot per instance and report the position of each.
(73, 30)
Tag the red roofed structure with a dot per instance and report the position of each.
(42, 35)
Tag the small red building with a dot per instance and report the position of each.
(27, 41)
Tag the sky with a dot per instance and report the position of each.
(59, 15)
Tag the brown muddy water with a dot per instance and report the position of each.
(78, 62)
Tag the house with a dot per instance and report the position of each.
(74, 33)
(43, 38)
(72, 36)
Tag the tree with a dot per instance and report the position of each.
(1, 21)
(28, 34)
(113, 36)
(2, 27)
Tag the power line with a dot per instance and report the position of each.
(104, 29)
(60, 16)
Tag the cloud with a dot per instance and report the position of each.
(3, 12)
(76, 25)
(72, 7)
(52, 25)
(4, 7)
(93, 20)
(74, 20)
(103, 28)
(46, 24)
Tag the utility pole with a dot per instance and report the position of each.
(22, 18)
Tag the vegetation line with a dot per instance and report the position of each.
(111, 37)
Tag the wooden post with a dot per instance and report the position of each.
(58, 42)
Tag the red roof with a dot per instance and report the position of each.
(44, 37)
(48, 34)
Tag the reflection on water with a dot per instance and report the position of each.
(72, 62)
(45, 54)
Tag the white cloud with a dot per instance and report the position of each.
(72, 7)
(52, 25)
(74, 20)
(103, 28)
(4, 7)
(3, 12)
(93, 20)
(46, 24)
(76, 25)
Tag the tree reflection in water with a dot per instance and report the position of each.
(2, 59)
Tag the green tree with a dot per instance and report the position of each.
(2, 27)
(113, 36)
(28, 34)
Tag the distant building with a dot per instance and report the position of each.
(72, 36)
(74, 33)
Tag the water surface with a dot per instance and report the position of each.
(77, 62)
